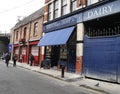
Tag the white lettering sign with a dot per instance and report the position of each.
(100, 11)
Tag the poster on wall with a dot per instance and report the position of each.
(35, 50)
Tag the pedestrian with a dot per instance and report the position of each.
(7, 58)
(31, 58)
(14, 60)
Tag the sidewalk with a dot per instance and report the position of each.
(77, 80)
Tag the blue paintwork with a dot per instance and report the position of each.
(71, 58)
(101, 58)
(58, 37)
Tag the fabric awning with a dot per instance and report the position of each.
(58, 37)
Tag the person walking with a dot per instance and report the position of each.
(31, 58)
(14, 60)
(7, 58)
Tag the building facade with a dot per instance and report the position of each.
(83, 35)
(27, 33)
(58, 16)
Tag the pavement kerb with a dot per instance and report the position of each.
(33, 69)
(83, 83)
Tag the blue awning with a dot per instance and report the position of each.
(58, 37)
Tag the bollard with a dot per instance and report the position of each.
(62, 72)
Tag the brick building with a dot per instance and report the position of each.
(27, 33)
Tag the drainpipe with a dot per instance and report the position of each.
(28, 46)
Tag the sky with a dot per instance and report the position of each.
(11, 10)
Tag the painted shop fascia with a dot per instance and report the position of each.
(101, 11)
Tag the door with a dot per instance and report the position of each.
(101, 58)
(71, 58)
(35, 53)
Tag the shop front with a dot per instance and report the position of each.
(59, 48)
(102, 42)
(16, 50)
(34, 50)
(23, 53)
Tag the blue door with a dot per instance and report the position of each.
(71, 58)
(101, 58)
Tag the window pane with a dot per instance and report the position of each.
(64, 2)
(50, 17)
(35, 28)
(63, 52)
(89, 2)
(56, 9)
(56, 4)
(64, 10)
(56, 13)
(50, 7)
(49, 12)
(73, 5)
(48, 52)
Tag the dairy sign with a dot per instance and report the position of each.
(104, 10)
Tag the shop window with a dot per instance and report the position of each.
(102, 32)
(35, 29)
(56, 9)
(63, 52)
(64, 7)
(50, 12)
(48, 52)
(73, 5)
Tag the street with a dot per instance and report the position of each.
(16, 80)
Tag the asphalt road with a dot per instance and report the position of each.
(16, 80)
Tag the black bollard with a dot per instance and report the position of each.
(62, 72)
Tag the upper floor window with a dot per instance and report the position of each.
(35, 28)
(49, 12)
(16, 35)
(64, 7)
(73, 5)
(56, 9)
(89, 2)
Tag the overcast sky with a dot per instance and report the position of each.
(10, 10)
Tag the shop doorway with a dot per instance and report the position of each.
(55, 54)
(71, 58)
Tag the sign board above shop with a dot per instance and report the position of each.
(85, 15)
(66, 22)
(103, 10)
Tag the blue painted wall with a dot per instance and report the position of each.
(101, 58)
(71, 58)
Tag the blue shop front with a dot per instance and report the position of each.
(101, 59)
(59, 41)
